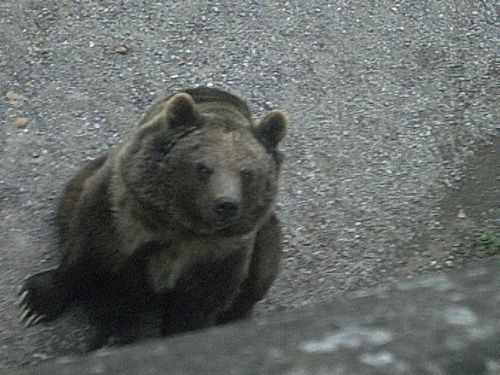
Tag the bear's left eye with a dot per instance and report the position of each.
(247, 174)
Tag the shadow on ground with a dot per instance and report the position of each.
(473, 204)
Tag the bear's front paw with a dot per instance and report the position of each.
(40, 300)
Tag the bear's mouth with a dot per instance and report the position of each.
(223, 223)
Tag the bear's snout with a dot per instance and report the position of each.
(226, 209)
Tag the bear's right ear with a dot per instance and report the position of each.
(180, 112)
(272, 129)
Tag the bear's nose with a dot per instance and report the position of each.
(226, 207)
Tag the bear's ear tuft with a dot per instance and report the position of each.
(272, 129)
(180, 112)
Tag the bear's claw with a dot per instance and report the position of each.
(40, 300)
(22, 298)
(28, 317)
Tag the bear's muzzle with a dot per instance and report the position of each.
(226, 210)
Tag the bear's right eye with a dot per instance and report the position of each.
(203, 170)
(161, 149)
(159, 155)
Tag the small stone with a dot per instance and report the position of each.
(122, 49)
(461, 214)
(41, 356)
(15, 99)
(38, 38)
(20, 122)
(449, 263)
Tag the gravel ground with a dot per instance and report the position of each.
(394, 109)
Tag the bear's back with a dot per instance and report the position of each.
(204, 95)
(208, 95)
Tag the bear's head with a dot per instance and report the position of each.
(204, 167)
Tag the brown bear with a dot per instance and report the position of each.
(176, 222)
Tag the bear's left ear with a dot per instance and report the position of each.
(272, 129)
(181, 112)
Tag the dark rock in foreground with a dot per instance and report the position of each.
(444, 324)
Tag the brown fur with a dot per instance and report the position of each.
(178, 222)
